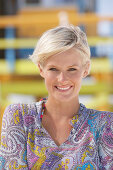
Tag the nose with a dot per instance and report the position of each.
(62, 77)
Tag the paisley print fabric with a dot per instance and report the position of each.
(26, 145)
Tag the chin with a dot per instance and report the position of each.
(64, 96)
(63, 99)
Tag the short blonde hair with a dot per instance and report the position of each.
(60, 39)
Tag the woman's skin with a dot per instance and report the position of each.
(63, 74)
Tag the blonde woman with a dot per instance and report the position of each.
(58, 132)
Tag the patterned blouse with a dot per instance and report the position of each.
(26, 145)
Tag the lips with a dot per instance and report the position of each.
(63, 88)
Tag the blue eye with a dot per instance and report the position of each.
(53, 69)
(72, 69)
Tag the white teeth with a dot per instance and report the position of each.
(60, 88)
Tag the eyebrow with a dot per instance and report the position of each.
(51, 65)
(73, 65)
(58, 66)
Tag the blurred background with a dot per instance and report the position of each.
(21, 24)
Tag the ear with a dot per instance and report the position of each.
(86, 69)
(41, 70)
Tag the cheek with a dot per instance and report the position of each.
(49, 78)
(76, 77)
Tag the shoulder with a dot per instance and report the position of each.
(100, 115)
(100, 119)
(24, 108)
(16, 113)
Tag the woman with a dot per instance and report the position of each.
(58, 132)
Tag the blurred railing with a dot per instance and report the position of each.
(51, 19)
(21, 43)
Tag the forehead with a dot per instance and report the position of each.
(67, 58)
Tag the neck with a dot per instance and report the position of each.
(59, 110)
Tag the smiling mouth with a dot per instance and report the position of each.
(63, 88)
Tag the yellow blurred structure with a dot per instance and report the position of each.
(26, 79)
(34, 21)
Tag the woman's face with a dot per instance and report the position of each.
(63, 75)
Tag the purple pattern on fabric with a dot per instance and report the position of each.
(26, 145)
